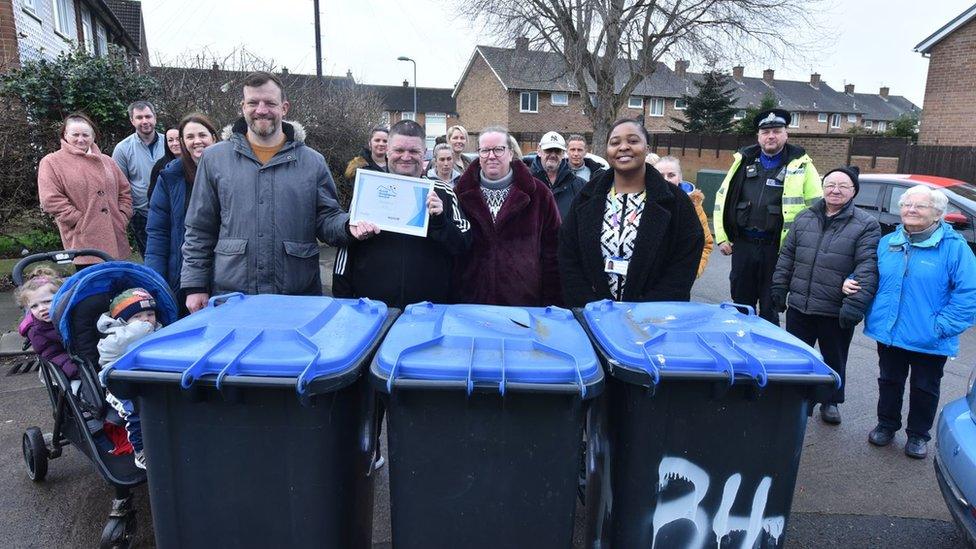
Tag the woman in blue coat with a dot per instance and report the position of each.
(926, 298)
(167, 207)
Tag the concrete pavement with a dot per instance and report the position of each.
(848, 493)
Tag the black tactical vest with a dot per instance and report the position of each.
(760, 206)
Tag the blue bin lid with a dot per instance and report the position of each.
(305, 337)
(703, 341)
(488, 345)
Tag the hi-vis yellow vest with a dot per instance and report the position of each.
(801, 188)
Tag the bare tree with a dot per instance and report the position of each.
(609, 47)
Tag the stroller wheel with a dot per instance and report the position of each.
(35, 454)
(117, 533)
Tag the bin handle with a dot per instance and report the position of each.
(231, 367)
(755, 366)
(749, 309)
(576, 365)
(723, 361)
(655, 371)
(501, 384)
(469, 378)
(407, 351)
(193, 371)
(310, 370)
(805, 352)
(224, 298)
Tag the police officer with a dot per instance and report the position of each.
(767, 185)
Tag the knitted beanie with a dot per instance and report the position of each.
(851, 171)
(130, 302)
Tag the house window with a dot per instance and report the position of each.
(835, 121)
(28, 5)
(739, 115)
(635, 102)
(680, 104)
(385, 118)
(656, 106)
(593, 99)
(868, 123)
(86, 31)
(882, 125)
(852, 118)
(101, 40)
(559, 98)
(408, 115)
(794, 120)
(435, 124)
(62, 17)
(822, 117)
(529, 102)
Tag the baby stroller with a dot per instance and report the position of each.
(79, 411)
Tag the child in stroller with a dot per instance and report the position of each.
(73, 312)
(35, 296)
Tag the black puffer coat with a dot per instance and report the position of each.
(820, 253)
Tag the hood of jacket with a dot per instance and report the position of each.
(293, 130)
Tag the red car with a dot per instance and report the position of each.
(879, 196)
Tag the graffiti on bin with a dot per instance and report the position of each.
(688, 507)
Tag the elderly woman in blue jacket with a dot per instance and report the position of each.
(167, 207)
(926, 298)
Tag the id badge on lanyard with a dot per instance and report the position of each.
(616, 265)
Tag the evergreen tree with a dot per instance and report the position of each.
(745, 126)
(710, 110)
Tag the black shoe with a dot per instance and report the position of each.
(830, 414)
(881, 436)
(917, 448)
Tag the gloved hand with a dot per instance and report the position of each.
(849, 317)
(779, 300)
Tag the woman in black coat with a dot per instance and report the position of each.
(629, 235)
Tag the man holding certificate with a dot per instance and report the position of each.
(417, 229)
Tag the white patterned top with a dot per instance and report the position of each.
(621, 218)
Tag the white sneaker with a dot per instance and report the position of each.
(140, 459)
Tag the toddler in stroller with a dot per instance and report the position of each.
(73, 313)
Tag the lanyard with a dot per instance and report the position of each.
(617, 209)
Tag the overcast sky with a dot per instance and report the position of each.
(867, 42)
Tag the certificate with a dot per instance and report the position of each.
(392, 202)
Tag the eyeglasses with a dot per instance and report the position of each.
(485, 153)
(914, 206)
(832, 186)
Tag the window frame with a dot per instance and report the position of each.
(835, 117)
(87, 31)
(527, 108)
(677, 108)
(852, 118)
(653, 102)
(869, 124)
(882, 125)
(639, 105)
(408, 115)
(57, 21)
(865, 191)
(30, 6)
(794, 120)
(739, 114)
(552, 99)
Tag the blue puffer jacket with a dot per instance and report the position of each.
(164, 227)
(926, 292)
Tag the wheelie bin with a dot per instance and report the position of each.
(485, 414)
(258, 422)
(696, 441)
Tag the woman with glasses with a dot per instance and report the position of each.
(926, 298)
(830, 242)
(629, 234)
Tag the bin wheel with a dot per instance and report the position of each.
(117, 533)
(35, 454)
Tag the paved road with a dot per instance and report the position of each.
(848, 493)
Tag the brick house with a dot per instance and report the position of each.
(950, 88)
(33, 29)
(532, 92)
(880, 109)
(437, 107)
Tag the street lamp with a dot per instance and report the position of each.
(405, 58)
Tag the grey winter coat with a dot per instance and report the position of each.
(818, 256)
(252, 228)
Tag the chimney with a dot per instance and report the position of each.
(406, 84)
(849, 89)
(738, 72)
(284, 71)
(814, 80)
(349, 73)
(681, 67)
(215, 66)
(521, 44)
(883, 92)
(768, 76)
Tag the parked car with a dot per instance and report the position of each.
(879, 196)
(955, 459)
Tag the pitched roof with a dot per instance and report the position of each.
(546, 71)
(400, 98)
(129, 14)
(925, 46)
(876, 107)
